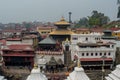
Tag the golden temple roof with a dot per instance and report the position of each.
(62, 22)
(62, 32)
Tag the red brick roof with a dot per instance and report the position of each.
(98, 29)
(114, 29)
(82, 29)
(19, 47)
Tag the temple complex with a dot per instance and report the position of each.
(54, 47)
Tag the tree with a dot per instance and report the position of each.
(83, 22)
(98, 19)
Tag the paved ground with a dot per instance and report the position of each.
(13, 73)
(96, 74)
(22, 73)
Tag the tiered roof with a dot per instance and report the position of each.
(62, 22)
(19, 47)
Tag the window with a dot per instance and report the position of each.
(91, 54)
(74, 38)
(87, 54)
(82, 54)
(105, 54)
(112, 46)
(96, 54)
(86, 39)
(109, 53)
(100, 54)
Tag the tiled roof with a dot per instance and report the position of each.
(41, 28)
(62, 22)
(48, 40)
(61, 32)
(97, 29)
(82, 29)
(114, 29)
(19, 47)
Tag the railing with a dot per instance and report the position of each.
(50, 52)
(96, 49)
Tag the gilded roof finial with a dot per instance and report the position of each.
(62, 19)
(78, 63)
(66, 40)
(35, 66)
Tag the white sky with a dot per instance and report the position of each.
(52, 10)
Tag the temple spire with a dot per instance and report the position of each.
(78, 62)
(35, 66)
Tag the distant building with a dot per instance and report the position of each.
(50, 48)
(10, 41)
(82, 31)
(108, 36)
(44, 31)
(11, 33)
(18, 55)
(30, 40)
(90, 48)
(116, 34)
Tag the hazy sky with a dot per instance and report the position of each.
(52, 10)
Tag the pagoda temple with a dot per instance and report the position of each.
(62, 32)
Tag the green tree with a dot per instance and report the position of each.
(83, 22)
(98, 19)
